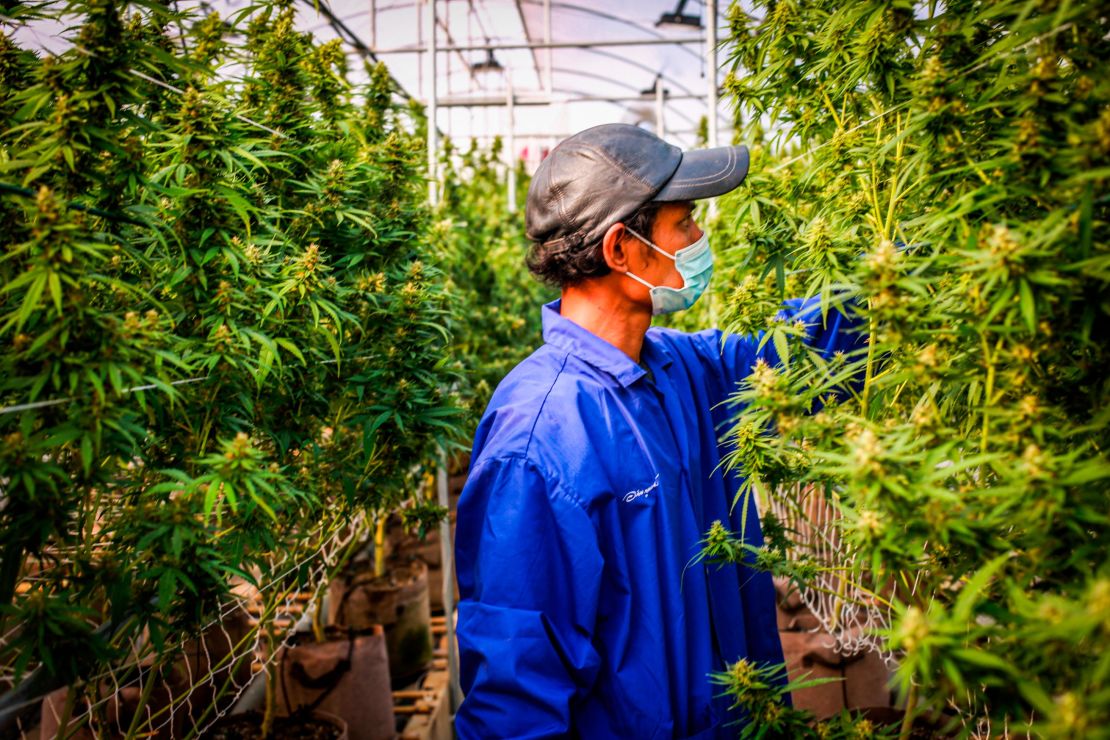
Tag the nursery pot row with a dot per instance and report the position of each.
(378, 638)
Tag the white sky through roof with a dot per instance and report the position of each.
(621, 72)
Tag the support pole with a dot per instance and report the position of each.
(711, 98)
(433, 134)
(448, 552)
(373, 23)
(510, 143)
(711, 67)
(660, 130)
(421, 47)
(547, 40)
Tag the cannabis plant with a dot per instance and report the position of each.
(939, 170)
(224, 331)
(483, 248)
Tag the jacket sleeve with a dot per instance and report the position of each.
(735, 355)
(529, 571)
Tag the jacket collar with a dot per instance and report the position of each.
(593, 350)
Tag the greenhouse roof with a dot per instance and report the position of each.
(603, 67)
(569, 64)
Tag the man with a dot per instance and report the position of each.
(595, 468)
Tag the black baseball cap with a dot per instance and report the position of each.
(602, 175)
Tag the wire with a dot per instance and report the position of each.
(7, 187)
(135, 389)
(167, 86)
(59, 401)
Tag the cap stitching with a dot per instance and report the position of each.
(560, 205)
(729, 168)
(604, 155)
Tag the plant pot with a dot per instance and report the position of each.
(398, 601)
(346, 676)
(807, 653)
(189, 674)
(304, 726)
(430, 551)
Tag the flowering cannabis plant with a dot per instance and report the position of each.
(224, 331)
(938, 169)
(483, 248)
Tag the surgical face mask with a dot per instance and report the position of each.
(694, 263)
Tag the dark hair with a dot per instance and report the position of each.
(567, 264)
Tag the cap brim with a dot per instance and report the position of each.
(706, 173)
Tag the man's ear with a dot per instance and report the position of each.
(613, 250)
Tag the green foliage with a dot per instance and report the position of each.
(761, 691)
(940, 171)
(231, 283)
(482, 251)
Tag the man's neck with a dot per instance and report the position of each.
(609, 315)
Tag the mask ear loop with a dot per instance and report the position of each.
(648, 242)
(640, 280)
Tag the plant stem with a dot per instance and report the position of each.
(318, 617)
(67, 710)
(271, 695)
(430, 486)
(270, 705)
(379, 546)
(869, 371)
(987, 396)
(232, 664)
(907, 718)
(144, 699)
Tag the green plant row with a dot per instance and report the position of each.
(213, 202)
(940, 170)
(483, 257)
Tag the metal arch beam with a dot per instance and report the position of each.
(576, 96)
(615, 101)
(439, 22)
(528, 38)
(680, 43)
(496, 101)
(595, 76)
(553, 45)
(363, 50)
(609, 17)
(641, 65)
(568, 6)
(624, 85)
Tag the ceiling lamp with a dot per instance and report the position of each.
(489, 64)
(654, 89)
(678, 18)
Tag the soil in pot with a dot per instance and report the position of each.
(347, 676)
(302, 726)
(399, 602)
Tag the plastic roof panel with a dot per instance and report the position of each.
(610, 79)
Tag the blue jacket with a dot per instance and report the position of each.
(592, 480)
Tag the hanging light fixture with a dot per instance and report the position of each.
(650, 92)
(489, 64)
(678, 18)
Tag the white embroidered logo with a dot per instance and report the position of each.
(633, 495)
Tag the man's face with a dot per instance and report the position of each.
(674, 229)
